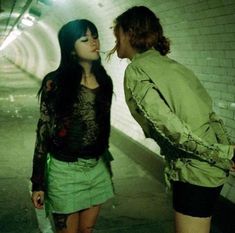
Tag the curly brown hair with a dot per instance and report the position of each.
(144, 29)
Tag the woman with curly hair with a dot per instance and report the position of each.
(173, 108)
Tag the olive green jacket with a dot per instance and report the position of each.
(174, 109)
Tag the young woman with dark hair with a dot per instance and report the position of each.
(71, 164)
(174, 109)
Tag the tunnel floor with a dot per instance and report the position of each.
(141, 203)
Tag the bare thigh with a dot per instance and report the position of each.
(87, 219)
(189, 224)
(66, 223)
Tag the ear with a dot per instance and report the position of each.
(130, 32)
(73, 53)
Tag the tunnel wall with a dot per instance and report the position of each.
(202, 35)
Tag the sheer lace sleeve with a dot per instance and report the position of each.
(42, 141)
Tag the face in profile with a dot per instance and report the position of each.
(122, 43)
(87, 46)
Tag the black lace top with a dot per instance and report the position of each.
(84, 133)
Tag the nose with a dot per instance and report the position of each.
(93, 41)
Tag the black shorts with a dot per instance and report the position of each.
(194, 200)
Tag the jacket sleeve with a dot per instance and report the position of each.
(150, 110)
(219, 128)
(41, 145)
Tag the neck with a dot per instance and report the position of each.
(87, 68)
(132, 53)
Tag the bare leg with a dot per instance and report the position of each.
(189, 224)
(87, 219)
(66, 223)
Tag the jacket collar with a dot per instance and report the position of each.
(146, 53)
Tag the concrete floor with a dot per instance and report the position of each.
(141, 204)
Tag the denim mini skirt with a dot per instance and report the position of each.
(74, 186)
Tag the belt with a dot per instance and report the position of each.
(65, 158)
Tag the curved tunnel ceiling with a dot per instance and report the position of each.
(43, 33)
(182, 21)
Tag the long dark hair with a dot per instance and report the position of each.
(67, 77)
(144, 29)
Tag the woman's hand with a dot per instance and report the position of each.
(38, 199)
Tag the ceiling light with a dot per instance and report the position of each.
(27, 22)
